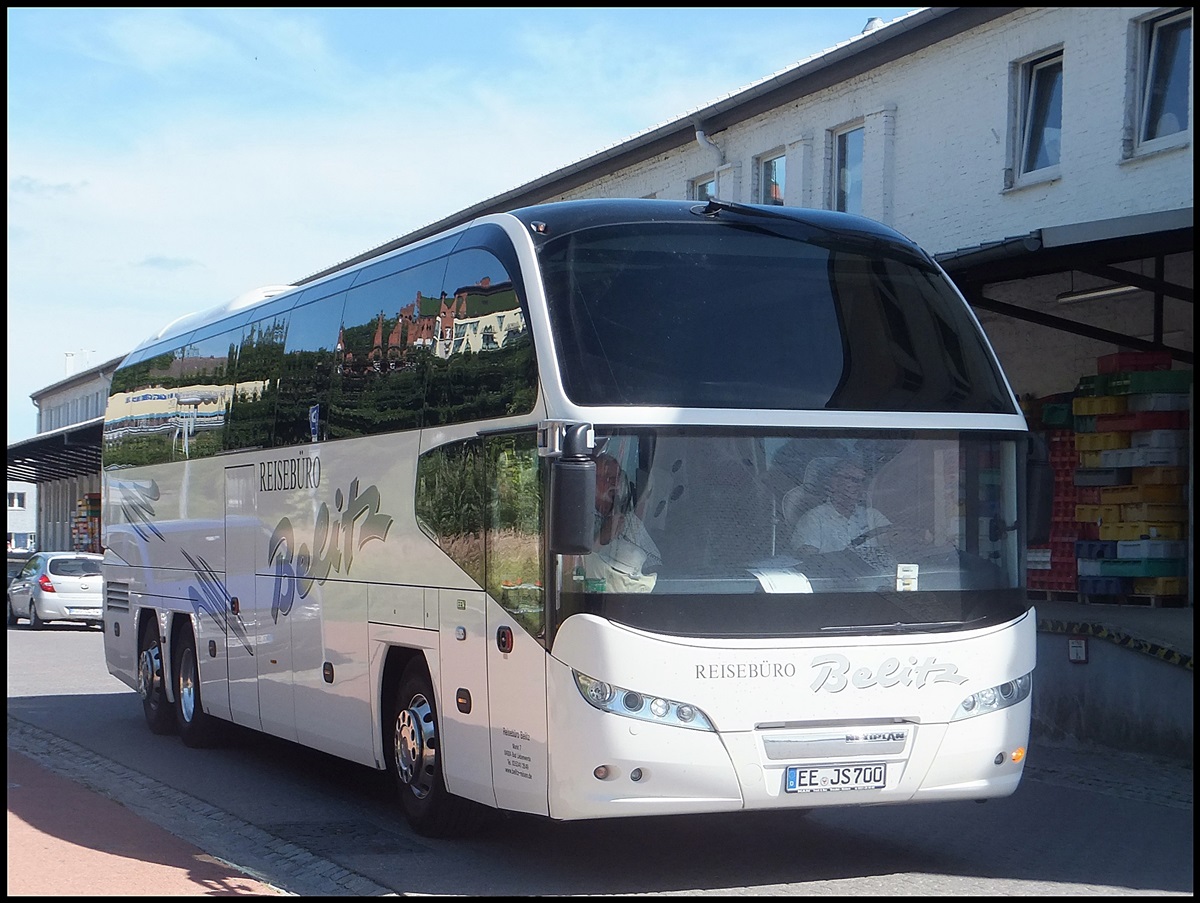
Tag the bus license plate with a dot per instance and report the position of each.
(806, 778)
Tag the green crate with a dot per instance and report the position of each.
(1057, 416)
(1143, 567)
(1137, 382)
(1093, 384)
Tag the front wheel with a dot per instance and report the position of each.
(196, 727)
(12, 615)
(415, 760)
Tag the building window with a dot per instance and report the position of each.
(1167, 51)
(16, 501)
(772, 180)
(704, 188)
(847, 162)
(1041, 130)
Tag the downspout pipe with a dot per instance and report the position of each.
(704, 141)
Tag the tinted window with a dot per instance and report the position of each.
(483, 364)
(383, 345)
(306, 371)
(450, 503)
(251, 422)
(724, 315)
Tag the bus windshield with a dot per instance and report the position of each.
(788, 316)
(709, 532)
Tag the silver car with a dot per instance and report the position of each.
(57, 586)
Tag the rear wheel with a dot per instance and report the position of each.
(196, 728)
(415, 760)
(35, 621)
(151, 683)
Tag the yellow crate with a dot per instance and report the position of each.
(1099, 404)
(1126, 530)
(1160, 586)
(1147, 476)
(1090, 459)
(1133, 495)
(1151, 511)
(1101, 441)
(1097, 514)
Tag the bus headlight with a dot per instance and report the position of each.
(993, 699)
(643, 706)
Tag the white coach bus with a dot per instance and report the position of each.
(591, 509)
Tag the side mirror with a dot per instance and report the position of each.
(1039, 491)
(573, 496)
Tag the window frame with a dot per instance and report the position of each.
(1030, 98)
(841, 165)
(695, 185)
(1149, 61)
(778, 156)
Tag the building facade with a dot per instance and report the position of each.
(22, 516)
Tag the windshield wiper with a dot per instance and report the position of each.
(899, 626)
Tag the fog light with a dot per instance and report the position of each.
(600, 772)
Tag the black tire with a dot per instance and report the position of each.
(35, 621)
(413, 750)
(160, 717)
(12, 615)
(196, 728)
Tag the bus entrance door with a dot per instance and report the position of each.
(241, 549)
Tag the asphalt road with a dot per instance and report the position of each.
(1085, 821)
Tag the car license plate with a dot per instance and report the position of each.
(809, 778)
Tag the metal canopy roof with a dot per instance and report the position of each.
(72, 451)
(1095, 248)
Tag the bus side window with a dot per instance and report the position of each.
(513, 536)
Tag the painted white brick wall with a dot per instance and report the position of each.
(939, 136)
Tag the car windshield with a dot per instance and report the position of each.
(74, 567)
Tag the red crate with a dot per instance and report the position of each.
(1139, 421)
(1133, 360)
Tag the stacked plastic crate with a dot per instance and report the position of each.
(1052, 565)
(1131, 423)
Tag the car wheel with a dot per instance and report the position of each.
(152, 684)
(414, 758)
(35, 622)
(196, 727)
(12, 615)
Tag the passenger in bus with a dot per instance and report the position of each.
(623, 551)
(843, 520)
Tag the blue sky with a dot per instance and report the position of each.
(165, 161)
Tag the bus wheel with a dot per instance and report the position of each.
(414, 757)
(196, 728)
(151, 685)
